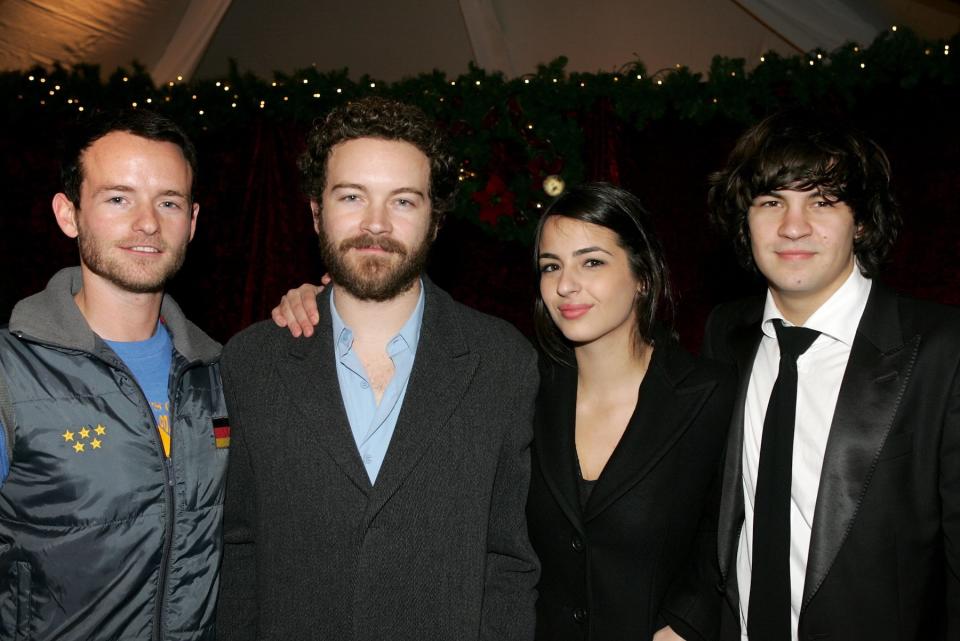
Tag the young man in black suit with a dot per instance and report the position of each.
(379, 471)
(840, 516)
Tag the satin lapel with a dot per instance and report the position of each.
(553, 438)
(310, 376)
(442, 370)
(745, 340)
(877, 373)
(664, 411)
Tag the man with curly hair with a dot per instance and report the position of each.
(840, 516)
(379, 470)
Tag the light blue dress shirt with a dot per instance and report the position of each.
(373, 425)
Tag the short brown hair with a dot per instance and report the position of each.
(376, 117)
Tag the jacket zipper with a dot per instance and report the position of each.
(169, 483)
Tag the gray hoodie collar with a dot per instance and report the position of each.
(52, 316)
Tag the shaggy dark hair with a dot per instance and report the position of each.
(622, 213)
(139, 122)
(376, 117)
(799, 150)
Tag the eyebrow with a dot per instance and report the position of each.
(394, 192)
(128, 189)
(579, 252)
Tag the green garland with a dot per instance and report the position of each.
(510, 133)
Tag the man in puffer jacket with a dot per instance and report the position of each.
(113, 417)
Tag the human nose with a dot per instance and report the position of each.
(794, 224)
(568, 283)
(376, 219)
(146, 220)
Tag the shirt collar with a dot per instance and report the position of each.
(407, 338)
(837, 318)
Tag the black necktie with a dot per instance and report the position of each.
(768, 617)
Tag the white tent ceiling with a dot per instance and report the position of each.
(389, 40)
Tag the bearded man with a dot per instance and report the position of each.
(113, 416)
(379, 471)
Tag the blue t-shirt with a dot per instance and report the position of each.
(149, 361)
(4, 463)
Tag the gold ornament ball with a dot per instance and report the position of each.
(553, 185)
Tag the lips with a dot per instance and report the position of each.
(571, 312)
(143, 249)
(795, 254)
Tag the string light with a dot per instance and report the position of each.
(893, 28)
(149, 101)
(179, 78)
(217, 83)
(639, 77)
(762, 59)
(316, 95)
(526, 81)
(373, 85)
(305, 81)
(863, 65)
(125, 79)
(339, 90)
(30, 78)
(233, 105)
(478, 83)
(170, 83)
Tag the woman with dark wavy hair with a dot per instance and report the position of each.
(628, 432)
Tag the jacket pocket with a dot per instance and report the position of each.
(15, 611)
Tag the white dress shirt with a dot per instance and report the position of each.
(819, 373)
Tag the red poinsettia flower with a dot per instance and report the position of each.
(495, 200)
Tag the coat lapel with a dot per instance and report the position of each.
(745, 340)
(442, 371)
(877, 373)
(553, 439)
(665, 409)
(309, 373)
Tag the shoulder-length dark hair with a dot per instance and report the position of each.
(800, 150)
(622, 213)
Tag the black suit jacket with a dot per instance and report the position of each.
(607, 569)
(437, 549)
(884, 560)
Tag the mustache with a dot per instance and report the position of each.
(366, 241)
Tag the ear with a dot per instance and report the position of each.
(66, 215)
(315, 210)
(193, 219)
(858, 234)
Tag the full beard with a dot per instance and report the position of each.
(376, 278)
(129, 275)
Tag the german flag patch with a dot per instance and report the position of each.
(221, 432)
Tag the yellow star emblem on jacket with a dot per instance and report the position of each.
(78, 447)
(84, 432)
(68, 436)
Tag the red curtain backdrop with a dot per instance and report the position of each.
(255, 237)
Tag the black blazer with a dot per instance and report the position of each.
(607, 569)
(437, 549)
(884, 558)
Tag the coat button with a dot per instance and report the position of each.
(580, 615)
(576, 543)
